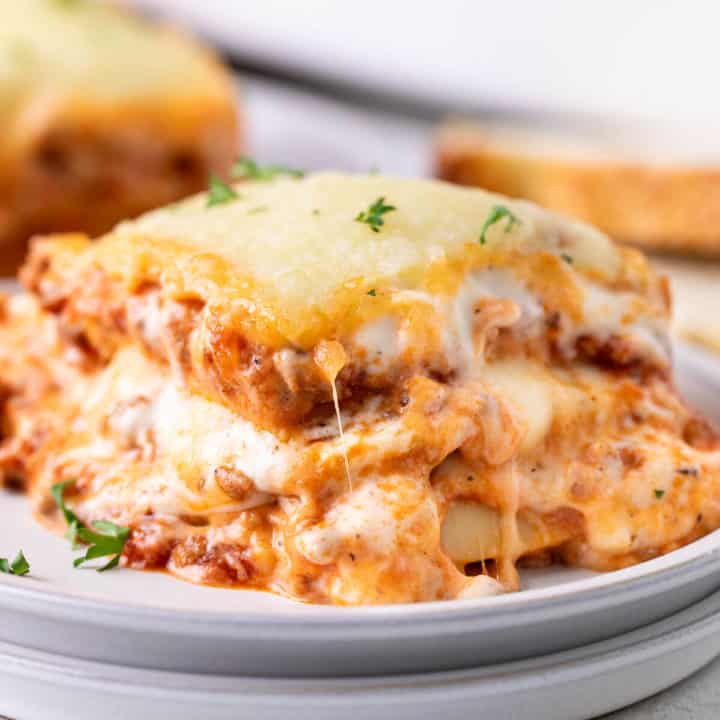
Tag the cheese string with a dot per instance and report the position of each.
(330, 357)
(509, 534)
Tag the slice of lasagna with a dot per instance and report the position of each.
(354, 390)
(103, 116)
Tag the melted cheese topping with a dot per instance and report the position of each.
(526, 387)
(306, 269)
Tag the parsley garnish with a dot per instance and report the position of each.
(372, 292)
(496, 214)
(72, 520)
(567, 258)
(659, 493)
(247, 168)
(109, 539)
(373, 216)
(19, 566)
(219, 192)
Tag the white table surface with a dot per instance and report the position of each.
(697, 698)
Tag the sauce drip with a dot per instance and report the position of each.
(330, 357)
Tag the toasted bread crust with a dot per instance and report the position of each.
(674, 208)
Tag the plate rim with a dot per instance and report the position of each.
(673, 629)
(572, 597)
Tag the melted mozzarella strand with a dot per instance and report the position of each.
(330, 357)
(509, 532)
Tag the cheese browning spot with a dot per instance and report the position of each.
(330, 357)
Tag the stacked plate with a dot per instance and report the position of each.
(572, 645)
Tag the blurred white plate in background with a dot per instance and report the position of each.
(611, 59)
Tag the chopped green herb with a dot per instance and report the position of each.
(246, 167)
(219, 192)
(257, 210)
(659, 493)
(316, 211)
(19, 566)
(72, 520)
(373, 216)
(567, 258)
(496, 214)
(372, 292)
(374, 170)
(109, 539)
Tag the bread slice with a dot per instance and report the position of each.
(104, 116)
(631, 185)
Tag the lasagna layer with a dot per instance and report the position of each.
(104, 116)
(237, 298)
(413, 429)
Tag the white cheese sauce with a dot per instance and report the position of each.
(498, 284)
(609, 312)
(187, 426)
(362, 515)
(381, 341)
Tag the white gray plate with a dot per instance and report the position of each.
(154, 621)
(573, 685)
